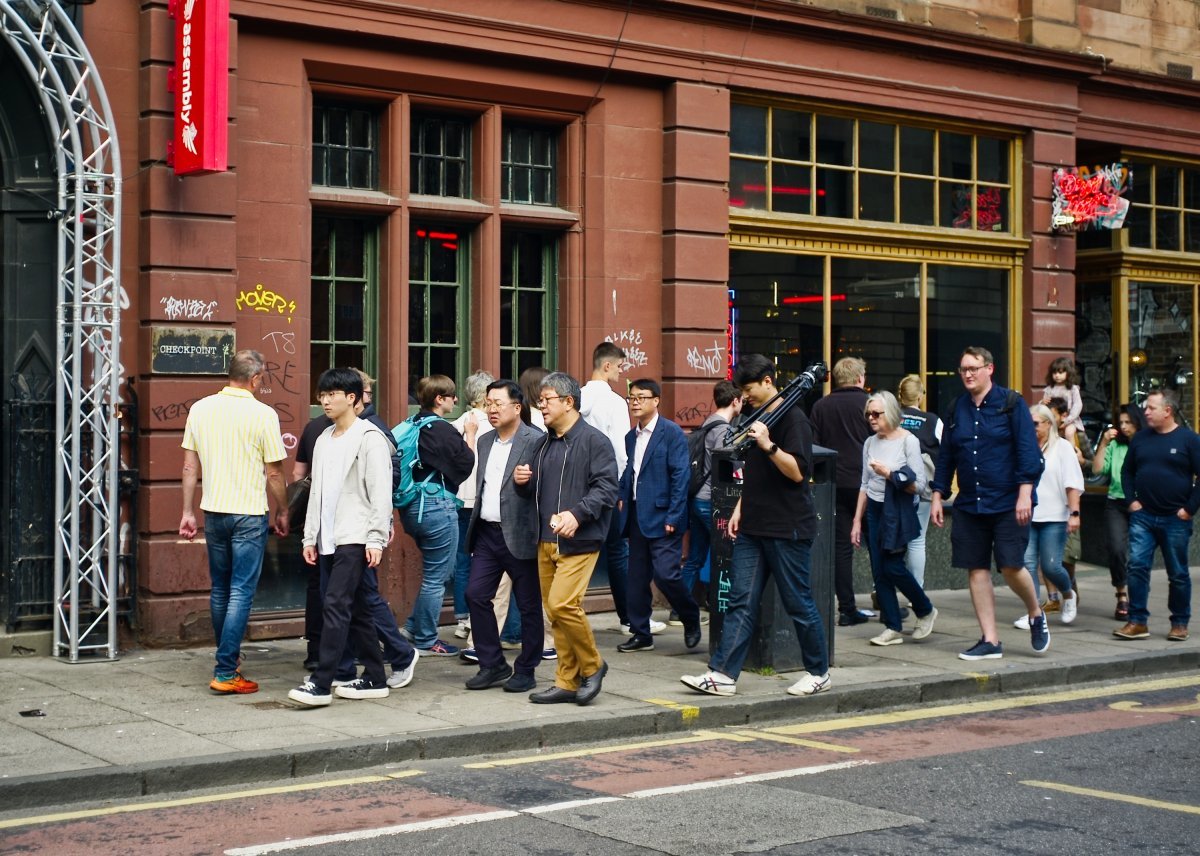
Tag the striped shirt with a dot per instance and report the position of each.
(234, 434)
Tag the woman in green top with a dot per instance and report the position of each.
(1108, 460)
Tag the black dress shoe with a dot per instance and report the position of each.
(489, 677)
(848, 619)
(520, 683)
(553, 695)
(636, 644)
(691, 636)
(589, 687)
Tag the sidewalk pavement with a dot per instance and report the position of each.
(148, 724)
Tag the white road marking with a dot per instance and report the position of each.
(744, 780)
(365, 834)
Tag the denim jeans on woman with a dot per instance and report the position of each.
(1171, 535)
(436, 534)
(1046, 543)
(236, 543)
(699, 542)
(891, 573)
(914, 559)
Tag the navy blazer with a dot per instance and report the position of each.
(662, 483)
(518, 514)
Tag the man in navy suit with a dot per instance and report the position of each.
(654, 506)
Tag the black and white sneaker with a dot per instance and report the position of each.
(310, 695)
(363, 688)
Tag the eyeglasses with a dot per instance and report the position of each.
(634, 398)
(367, 393)
(546, 399)
(497, 405)
(329, 396)
(453, 395)
(971, 370)
(874, 414)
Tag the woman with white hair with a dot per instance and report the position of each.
(893, 476)
(1055, 513)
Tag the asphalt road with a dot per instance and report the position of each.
(1102, 769)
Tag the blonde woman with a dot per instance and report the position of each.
(893, 475)
(1056, 511)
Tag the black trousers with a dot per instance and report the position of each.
(846, 500)
(491, 559)
(656, 559)
(347, 615)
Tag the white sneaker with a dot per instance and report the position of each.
(713, 683)
(307, 694)
(464, 628)
(1022, 623)
(925, 625)
(403, 677)
(888, 637)
(810, 684)
(657, 627)
(362, 688)
(1070, 607)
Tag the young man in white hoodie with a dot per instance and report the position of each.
(346, 528)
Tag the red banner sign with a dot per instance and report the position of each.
(200, 142)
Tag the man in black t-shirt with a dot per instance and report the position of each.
(773, 525)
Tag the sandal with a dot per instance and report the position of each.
(1122, 611)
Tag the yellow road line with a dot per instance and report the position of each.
(986, 706)
(1128, 705)
(688, 712)
(695, 737)
(201, 800)
(796, 741)
(1109, 795)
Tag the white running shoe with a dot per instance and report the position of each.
(403, 677)
(810, 684)
(1022, 623)
(1070, 607)
(888, 637)
(925, 625)
(464, 628)
(713, 683)
(656, 627)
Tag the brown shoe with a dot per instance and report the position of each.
(1052, 605)
(1132, 631)
(1178, 634)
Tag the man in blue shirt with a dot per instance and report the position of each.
(990, 442)
(1160, 478)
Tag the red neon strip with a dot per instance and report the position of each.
(449, 246)
(782, 190)
(444, 236)
(813, 298)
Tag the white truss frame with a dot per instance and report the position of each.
(87, 440)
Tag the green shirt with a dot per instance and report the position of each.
(1114, 460)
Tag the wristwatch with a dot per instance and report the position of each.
(1074, 513)
(774, 448)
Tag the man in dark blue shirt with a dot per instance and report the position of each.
(1160, 478)
(990, 442)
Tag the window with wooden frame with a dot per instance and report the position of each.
(345, 146)
(344, 295)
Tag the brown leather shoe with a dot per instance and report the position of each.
(1132, 631)
(1178, 634)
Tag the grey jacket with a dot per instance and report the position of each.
(518, 514)
(364, 505)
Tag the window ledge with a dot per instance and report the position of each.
(533, 214)
(369, 199)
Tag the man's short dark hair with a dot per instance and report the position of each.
(510, 387)
(245, 365)
(979, 352)
(563, 386)
(1170, 398)
(725, 392)
(606, 352)
(649, 385)
(751, 368)
(1059, 405)
(341, 380)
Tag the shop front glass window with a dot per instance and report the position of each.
(967, 306)
(1161, 316)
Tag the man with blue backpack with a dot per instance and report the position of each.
(434, 459)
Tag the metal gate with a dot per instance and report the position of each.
(28, 534)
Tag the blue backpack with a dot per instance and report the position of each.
(405, 488)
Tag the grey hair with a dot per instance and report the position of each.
(475, 387)
(245, 365)
(1050, 416)
(563, 385)
(891, 407)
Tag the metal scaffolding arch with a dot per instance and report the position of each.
(87, 442)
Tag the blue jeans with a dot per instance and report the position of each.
(1171, 535)
(462, 567)
(614, 555)
(437, 538)
(891, 573)
(1046, 543)
(236, 543)
(699, 542)
(754, 559)
(914, 559)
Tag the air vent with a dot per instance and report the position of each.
(1179, 70)
(881, 12)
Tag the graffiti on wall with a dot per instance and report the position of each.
(710, 361)
(189, 310)
(630, 341)
(265, 300)
(1090, 197)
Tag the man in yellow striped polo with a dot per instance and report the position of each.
(234, 439)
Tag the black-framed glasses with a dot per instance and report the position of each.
(632, 398)
(971, 370)
(874, 414)
(546, 399)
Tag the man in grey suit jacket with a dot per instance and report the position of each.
(502, 538)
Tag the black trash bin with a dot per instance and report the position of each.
(774, 644)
